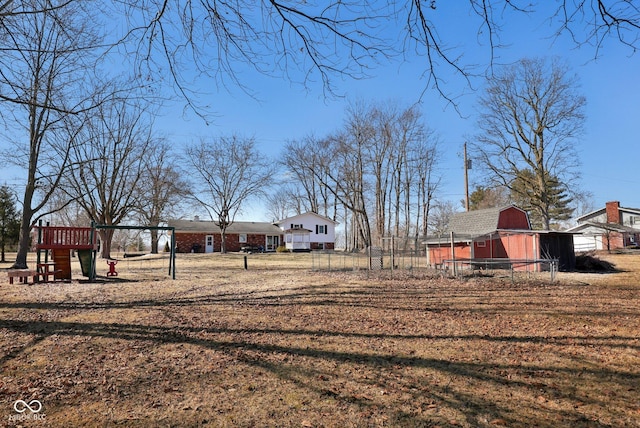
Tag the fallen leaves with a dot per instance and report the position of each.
(316, 349)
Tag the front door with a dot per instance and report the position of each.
(208, 246)
(272, 243)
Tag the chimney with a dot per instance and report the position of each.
(196, 218)
(613, 212)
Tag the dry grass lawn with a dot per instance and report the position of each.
(281, 345)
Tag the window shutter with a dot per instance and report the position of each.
(316, 229)
(325, 229)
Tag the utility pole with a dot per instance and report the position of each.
(466, 179)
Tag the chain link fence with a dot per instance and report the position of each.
(393, 253)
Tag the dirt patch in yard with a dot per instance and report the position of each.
(280, 345)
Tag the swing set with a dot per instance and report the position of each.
(61, 241)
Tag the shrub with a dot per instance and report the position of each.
(588, 262)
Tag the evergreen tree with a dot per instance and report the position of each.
(488, 197)
(547, 203)
(9, 220)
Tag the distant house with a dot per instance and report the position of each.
(196, 236)
(308, 231)
(499, 233)
(611, 227)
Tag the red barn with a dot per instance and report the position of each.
(500, 233)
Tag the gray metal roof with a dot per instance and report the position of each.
(249, 227)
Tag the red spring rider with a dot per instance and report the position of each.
(112, 268)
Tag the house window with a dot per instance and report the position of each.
(296, 226)
(321, 229)
(481, 244)
(242, 237)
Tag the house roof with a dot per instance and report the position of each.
(477, 222)
(603, 210)
(308, 213)
(593, 227)
(249, 227)
(298, 231)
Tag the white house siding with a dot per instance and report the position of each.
(631, 219)
(314, 223)
(582, 243)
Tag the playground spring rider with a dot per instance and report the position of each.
(112, 267)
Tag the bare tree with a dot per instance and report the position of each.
(379, 167)
(400, 153)
(414, 178)
(226, 173)
(47, 60)
(280, 203)
(160, 188)
(488, 197)
(423, 161)
(441, 216)
(108, 163)
(339, 165)
(309, 190)
(531, 117)
(317, 41)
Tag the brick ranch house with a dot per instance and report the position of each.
(196, 236)
(611, 227)
(500, 233)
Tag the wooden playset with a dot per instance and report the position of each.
(59, 243)
(56, 245)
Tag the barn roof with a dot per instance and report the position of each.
(477, 222)
(248, 227)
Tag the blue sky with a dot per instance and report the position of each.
(608, 150)
(281, 110)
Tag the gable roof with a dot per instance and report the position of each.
(478, 222)
(308, 213)
(600, 228)
(601, 211)
(248, 227)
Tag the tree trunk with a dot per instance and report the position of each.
(106, 236)
(223, 247)
(154, 241)
(25, 241)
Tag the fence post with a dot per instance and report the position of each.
(393, 255)
(453, 255)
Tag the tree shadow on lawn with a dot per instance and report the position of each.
(453, 395)
(438, 300)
